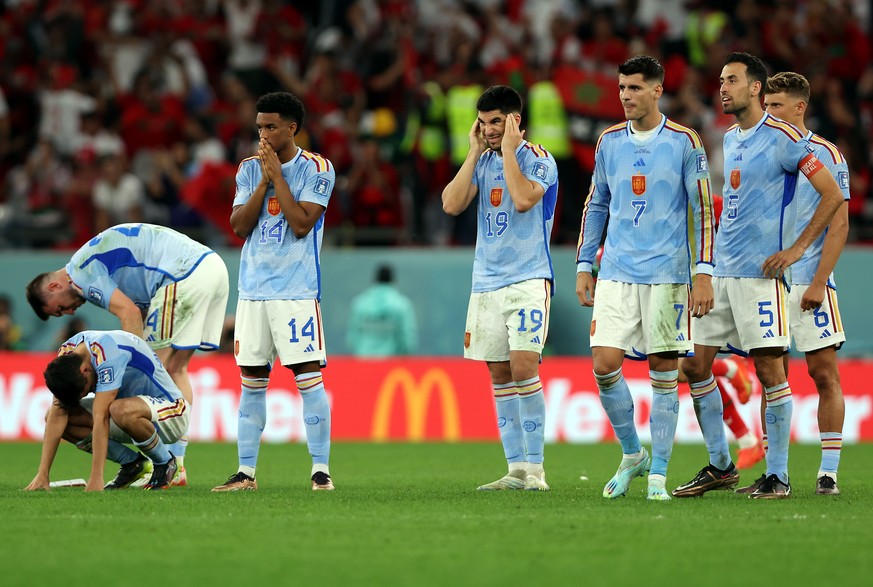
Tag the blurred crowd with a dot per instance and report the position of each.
(129, 110)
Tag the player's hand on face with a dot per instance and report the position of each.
(477, 138)
(270, 164)
(39, 482)
(585, 288)
(813, 297)
(702, 296)
(776, 265)
(512, 135)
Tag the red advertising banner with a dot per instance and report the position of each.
(428, 399)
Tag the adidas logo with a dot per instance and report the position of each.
(738, 157)
(680, 338)
(308, 349)
(535, 340)
(640, 163)
(151, 338)
(499, 177)
(825, 333)
(769, 334)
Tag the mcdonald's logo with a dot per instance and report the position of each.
(416, 396)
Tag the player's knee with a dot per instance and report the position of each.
(120, 412)
(692, 369)
(827, 380)
(604, 368)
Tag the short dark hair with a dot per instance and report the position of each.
(384, 274)
(650, 68)
(35, 296)
(65, 380)
(790, 83)
(286, 105)
(756, 71)
(502, 98)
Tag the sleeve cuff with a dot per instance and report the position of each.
(584, 267)
(705, 269)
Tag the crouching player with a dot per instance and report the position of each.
(135, 402)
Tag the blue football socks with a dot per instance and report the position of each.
(664, 417)
(619, 406)
(316, 416)
(252, 420)
(707, 406)
(509, 421)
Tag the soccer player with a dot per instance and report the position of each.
(281, 195)
(135, 401)
(734, 371)
(649, 171)
(762, 158)
(815, 317)
(162, 286)
(515, 185)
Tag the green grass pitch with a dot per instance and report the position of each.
(407, 514)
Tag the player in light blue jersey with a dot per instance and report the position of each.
(515, 185)
(816, 326)
(162, 286)
(135, 401)
(755, 245)
(281, 196)
(650, 175)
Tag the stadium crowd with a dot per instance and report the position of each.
(125, 110)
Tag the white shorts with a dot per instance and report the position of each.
(819, 328)
(290, 329)
(189, 314)
(170, 417)
(512, 318)
(642, 319)
(748, 313)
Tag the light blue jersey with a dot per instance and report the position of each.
(761, 168)
(124, 361)
(275, 264)
(137, 259)
(512, 246)
(646, 187)
(808, 199)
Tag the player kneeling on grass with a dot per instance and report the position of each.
(135, 402)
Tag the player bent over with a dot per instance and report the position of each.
(135, 401)
(162, 285)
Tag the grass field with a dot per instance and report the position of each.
(407, 514)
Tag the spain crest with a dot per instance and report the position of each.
(735, 179)
(496, 196)
(466, 340)
(273, 206)
(638, 184)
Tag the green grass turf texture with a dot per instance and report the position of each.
(408, 514)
